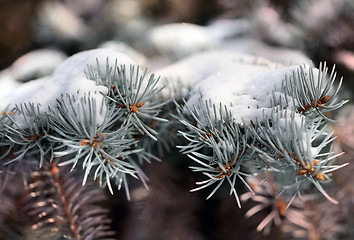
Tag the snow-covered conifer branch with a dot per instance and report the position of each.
(134, 93)
(313, 93)
(93, 144)
(286, 134)
(97, 127)
(26, 131)
(295, 151)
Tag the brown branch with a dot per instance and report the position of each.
(313, 231)
(133, 108)
(318, 104)
(14, 213)
(229, 166)
(34, 137)
(8, 113)
(306, 169)
(55, 173)
(96, 142)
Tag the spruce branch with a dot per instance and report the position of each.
(13, 221)
(107, 135)
(291, 141)
(271, 208)
(313, 93)
(134, 93)
(227, 145)
(25, 131)
(61, 207)
(200, 121)
(139, 101)
(89, 137)
(289, 148)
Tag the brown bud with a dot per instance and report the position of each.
(320, 176)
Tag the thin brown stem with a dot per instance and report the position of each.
(313, 231)
(55, 173)
(8, 113)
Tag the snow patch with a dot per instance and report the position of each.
(69, 78)
(244, 83)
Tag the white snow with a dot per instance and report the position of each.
(138, 57)
(191, 70)
(179, 40)
(227, 28)
(7, 82)
(40, 62)
(255, 47)
(270, 24)
(243, 83)
(68, 78)
(56, 20)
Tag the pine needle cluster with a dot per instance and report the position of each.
(291, 144)
(102, 140)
